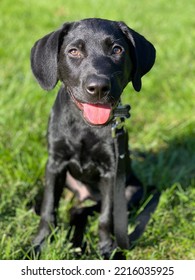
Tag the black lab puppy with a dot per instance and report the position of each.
(94, 59)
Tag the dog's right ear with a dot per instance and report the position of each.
(143, 54)
(44, 56)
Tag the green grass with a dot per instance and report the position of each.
(162, 125)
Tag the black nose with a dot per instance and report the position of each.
(98, 86)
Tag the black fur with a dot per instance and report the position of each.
(94, 59)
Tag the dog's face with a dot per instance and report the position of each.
(95, 59)
(95, 66)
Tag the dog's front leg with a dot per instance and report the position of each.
(55, 180)
(105, 220)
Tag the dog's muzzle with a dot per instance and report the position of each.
(101, 114)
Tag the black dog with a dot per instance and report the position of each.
(94, 59)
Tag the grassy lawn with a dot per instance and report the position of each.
(161, 127)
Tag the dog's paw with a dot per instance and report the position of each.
(44, 232)
(106, 248)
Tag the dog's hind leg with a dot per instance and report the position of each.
(135, 198)
(78, 220)
(134, 191)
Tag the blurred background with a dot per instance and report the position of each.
(161, 127)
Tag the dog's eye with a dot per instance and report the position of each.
(117, 50)
(74, 53)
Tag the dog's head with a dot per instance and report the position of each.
(95, 59)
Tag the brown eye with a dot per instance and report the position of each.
(117, 50)
(74, 52)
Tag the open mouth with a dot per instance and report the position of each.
(95, 114)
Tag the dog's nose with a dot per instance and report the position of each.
(98, 86)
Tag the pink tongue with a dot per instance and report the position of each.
(96, 113)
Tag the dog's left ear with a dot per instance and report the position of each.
(142, 54)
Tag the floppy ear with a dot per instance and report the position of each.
(44, 58)
(142, 54)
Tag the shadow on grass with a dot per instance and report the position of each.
(174, 164)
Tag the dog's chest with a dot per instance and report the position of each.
(83, 171)
(91, 157)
